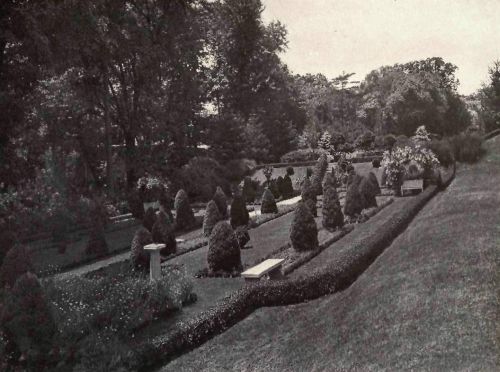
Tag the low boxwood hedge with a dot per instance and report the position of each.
(332, 278)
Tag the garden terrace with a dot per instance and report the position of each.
(429, 302)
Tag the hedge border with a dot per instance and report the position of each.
(491, 134)
(335, 277)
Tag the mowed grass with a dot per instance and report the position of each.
(429, 302)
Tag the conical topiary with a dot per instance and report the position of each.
(248, 191)
(212, 216)
(184, 216)
(373, 179)
(27, 323)
(311, 204)
(223, 249)
(268, 204)
(307, 191)
(367, 192)
(329, 180)
(163, 232)
(239, 213)
(138, 256)
(149, 219)
(353, 200)
(221, 202)
(332, 212)
(318, 174)
(287, 187)
(16, 262)
(303, 231)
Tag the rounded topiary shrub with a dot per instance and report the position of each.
(149, 219)
(303, 231)
(311, 204)
(242, 236)
(268, 202)
(373, 179)
(290, 171)
(353, 199)
(221, 202)
(27, 324)
(138, 256)
(223, 249)
(239, 215)
(307, 192)
(184, 216)
(163, 232)
(367, 192)
(332, 211)
(96, 245)
(16, 262)
(273, 186)
(212, 216)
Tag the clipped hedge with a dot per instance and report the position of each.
(337, 276)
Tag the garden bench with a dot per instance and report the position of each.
(412, 185)
(272, 267)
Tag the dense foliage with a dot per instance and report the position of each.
(138, 256)
(211, 217)
(239, 215)
(268, 204)
(332, 211)
(223, 249)
(184, 216)
(303, 231)
(163, 232)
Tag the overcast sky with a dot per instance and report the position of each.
(331, 36)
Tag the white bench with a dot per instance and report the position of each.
(412, 185)
(272, 267)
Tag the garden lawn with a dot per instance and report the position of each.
(429, 302)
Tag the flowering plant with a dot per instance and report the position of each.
(421, 135)
(396, 163)
(151, 187)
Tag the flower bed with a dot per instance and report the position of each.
(240, 304)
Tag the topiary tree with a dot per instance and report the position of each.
(184, 216)
(373, 179)
(212, 216)
(311, 204)
(138, 256)
(163, 232)
(303, 231)
(221, 202)
(367, 192)
(268, 204)
(318, 174)
(27, 324)
(332, 211)
(307, 191)
(16, 262)
(239, 215)
(353, 200)
(290, 171)
(149, 219)
(223, 249)
(330, 180)
(248, 191)
(287, 187)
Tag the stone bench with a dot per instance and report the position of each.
(410, 185)
(271, 267)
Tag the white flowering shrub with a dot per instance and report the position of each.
(396, 163)
(151, 187)
(421, 135)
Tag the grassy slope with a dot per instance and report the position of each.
(429, 302)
